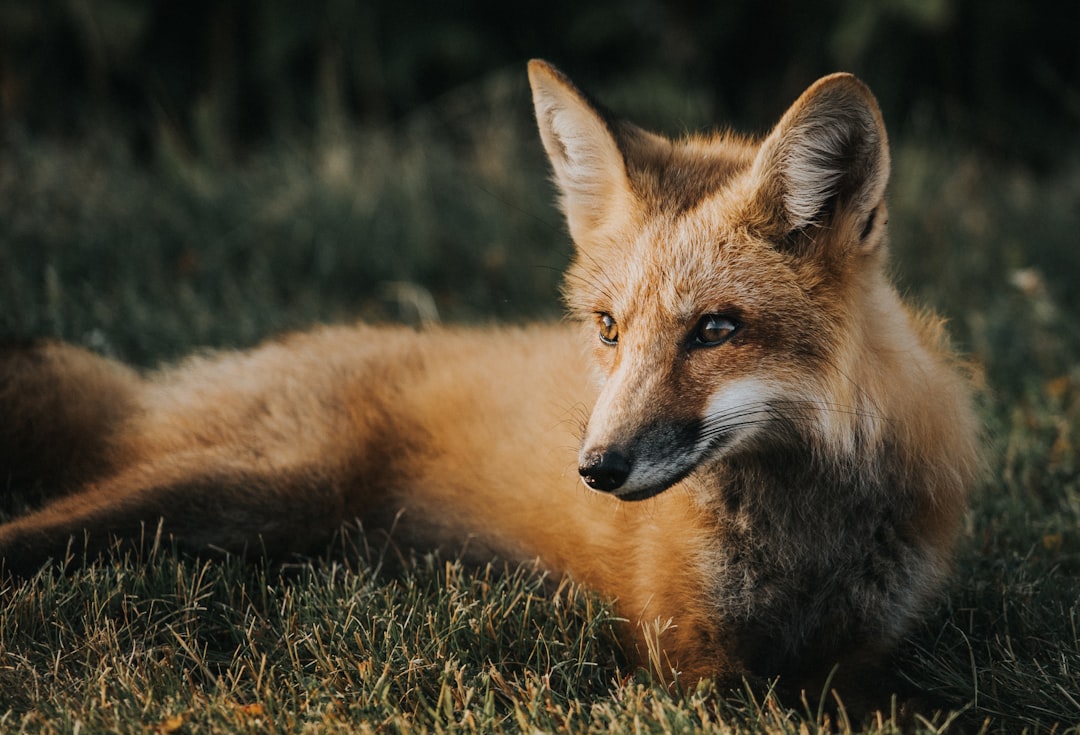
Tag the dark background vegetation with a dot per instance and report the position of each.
(215, 146)
(230, 75)
(184, 174)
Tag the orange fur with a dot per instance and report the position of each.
(799, 440)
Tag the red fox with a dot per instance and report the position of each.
(777, 452)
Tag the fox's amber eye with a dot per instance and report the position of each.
(714, 329)
(609, 329)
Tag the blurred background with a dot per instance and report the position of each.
(223, 77)
(205, 172)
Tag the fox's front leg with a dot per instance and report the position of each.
(199, 502)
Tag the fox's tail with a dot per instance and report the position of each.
(61, 408)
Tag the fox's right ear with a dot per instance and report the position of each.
(590, 169)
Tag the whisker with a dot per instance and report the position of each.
(728, 427)
(600, 278)
(820, 405)
(745, 410)
(774, 413)
(863, 393)
(517, 208)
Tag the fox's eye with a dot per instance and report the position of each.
(609, 329)
(714, 329)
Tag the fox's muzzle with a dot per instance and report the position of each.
(605, 471)
(654, 460)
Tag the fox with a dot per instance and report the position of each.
(772, 471)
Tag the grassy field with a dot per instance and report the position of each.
(449, 216)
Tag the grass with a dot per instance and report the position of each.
(451, 210)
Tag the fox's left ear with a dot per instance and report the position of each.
(826, 162)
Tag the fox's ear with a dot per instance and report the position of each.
(581, 143)
(826, 161)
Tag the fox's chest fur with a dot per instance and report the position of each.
(743, 436)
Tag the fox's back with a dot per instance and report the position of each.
(318, 390)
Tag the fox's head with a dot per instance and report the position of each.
(727, 285)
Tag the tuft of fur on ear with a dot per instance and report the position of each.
(827, 159)
(589, 166)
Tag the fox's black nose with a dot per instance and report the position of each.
(604, 471)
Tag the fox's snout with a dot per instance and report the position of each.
(618, 472)
(634, 455)
(642, 463)
(604, 470)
